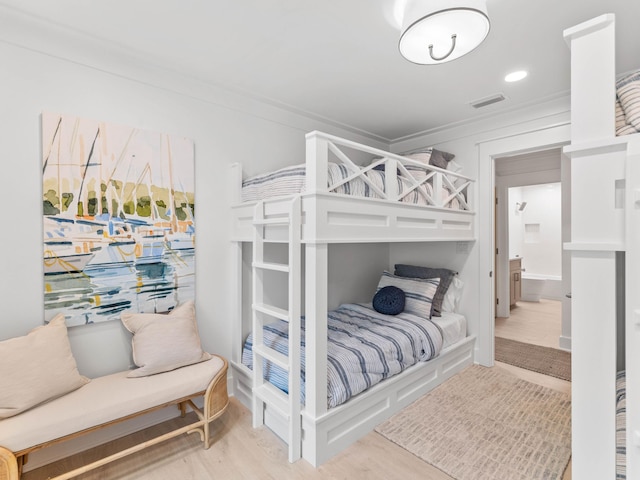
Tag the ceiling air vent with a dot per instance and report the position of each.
(483, 102)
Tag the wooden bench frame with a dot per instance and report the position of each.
(216, 400)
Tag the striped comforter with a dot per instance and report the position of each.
(291, 180)
(621, 430)
(364, 348)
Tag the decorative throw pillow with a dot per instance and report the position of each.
(432, 156)
(37, 367)
(440, 159)
(416, 171)
(621, 120)
(164, 342)
(418, 292)
(455, 167)
(389, 300)
(628, 91)
(423, 156)
(622, 127)
(444, 274)
(452, 297)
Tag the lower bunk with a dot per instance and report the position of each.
(342, 425)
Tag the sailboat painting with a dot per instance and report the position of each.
(118, 219)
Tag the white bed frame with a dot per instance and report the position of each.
(325, 218)
(334, 218)
(605, 198)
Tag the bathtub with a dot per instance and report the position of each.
(536, 286)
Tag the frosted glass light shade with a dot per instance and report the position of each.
(452, 29)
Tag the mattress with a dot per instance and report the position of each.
(453, 327)
(364, 348)
(292, 181)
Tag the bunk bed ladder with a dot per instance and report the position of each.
(264, 393)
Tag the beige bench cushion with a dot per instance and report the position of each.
(102, 400)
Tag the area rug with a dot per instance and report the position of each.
(487, 424)
(549, 361)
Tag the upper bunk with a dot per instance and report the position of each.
(353, 193)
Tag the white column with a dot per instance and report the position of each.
(632, 284)
(316, 283)
(317, 155)
(593, 73)
(593, 364)
(236, 301)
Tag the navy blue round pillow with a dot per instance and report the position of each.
(389, 300)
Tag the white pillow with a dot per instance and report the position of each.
(455, 167)
(452, 297)
(164, 342)
(418, 292)
(37, 367)
(423, 157)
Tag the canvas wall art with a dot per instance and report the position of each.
(118, 219)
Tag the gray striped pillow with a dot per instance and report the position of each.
(444, 274)
(418, 292)
(628, 91)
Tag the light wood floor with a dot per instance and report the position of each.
(241, 452)
(538, 323)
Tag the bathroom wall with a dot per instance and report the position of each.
(535, 233)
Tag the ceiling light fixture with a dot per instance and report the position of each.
(438, 31)
(515, 76)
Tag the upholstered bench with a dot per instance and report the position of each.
(112, 399)
(44, 399)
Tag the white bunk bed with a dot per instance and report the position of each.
(307, 222)
(605, 245)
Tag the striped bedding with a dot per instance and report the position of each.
(621, 414)
(628, 104)
(364, 348)
(291, 180)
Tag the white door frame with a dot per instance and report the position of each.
(545, 138)
(503, 185)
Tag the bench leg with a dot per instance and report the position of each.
(183, 408)
(9, 465)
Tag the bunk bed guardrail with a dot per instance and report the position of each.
(415, 202)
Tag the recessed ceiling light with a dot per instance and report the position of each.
(515, 76)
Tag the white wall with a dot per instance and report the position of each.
(535, 234)
(58, 74)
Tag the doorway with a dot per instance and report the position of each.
(530, 279)
(490, 265)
